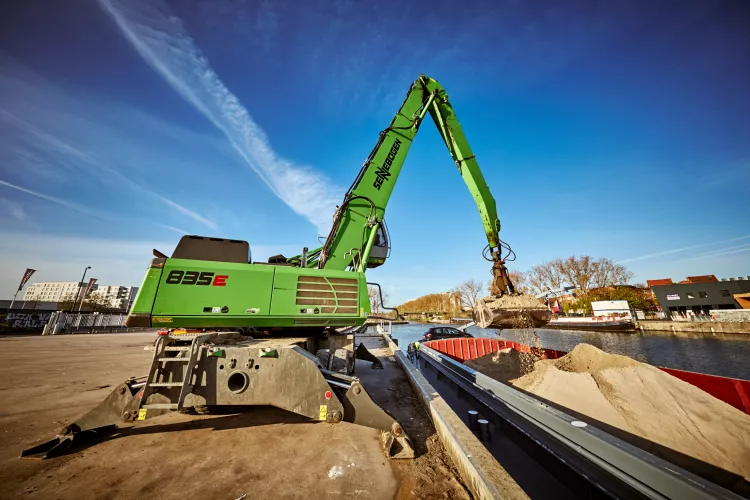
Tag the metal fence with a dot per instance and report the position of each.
(63, 322)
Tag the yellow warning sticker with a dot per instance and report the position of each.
(142, 414)
(163, 320)
(323, 412)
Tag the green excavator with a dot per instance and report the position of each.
(284, 332)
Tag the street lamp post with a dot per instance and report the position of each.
(80, 285)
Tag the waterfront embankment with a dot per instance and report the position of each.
(695, 326)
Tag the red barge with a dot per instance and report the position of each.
(735, 392)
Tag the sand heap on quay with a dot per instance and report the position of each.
(638, 403)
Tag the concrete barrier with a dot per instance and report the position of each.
(694, 326)
(732, 315)
(483, 475)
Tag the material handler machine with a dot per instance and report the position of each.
(284, 332)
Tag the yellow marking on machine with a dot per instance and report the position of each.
(163, 320)
(323, 414)
(142, 414)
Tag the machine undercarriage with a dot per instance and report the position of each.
(205, 372)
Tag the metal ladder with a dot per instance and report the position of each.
(163, 375)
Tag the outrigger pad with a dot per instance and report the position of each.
(363, 353)
(63, 443)
(360, 409)
(120, 406)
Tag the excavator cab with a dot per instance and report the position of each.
(381, 248)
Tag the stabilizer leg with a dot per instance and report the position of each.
(120, 406)
(360, 409)
(363, 353)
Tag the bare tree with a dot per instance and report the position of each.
(469, 292)
(96, 303)
(372, 292)
(584, 272)
(579, 271)
(519, 280)
(67, 302)
(32, 303)
(375, 304)
(544, 277)
(608, 273)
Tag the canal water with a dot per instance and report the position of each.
(717, 354)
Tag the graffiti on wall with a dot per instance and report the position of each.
(23, 320)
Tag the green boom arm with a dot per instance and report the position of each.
(358, 218)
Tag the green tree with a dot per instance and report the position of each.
(638, 298)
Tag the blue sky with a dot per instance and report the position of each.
(615, 129)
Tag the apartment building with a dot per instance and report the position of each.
(54, 291)
(113, 296)
(117, 297)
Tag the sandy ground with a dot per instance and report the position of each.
(431, 474)
(48, 381)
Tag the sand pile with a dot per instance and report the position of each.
(521, 301)
(511, 311)
(645, 406)
(505, 364)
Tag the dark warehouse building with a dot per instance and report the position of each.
(700, 294)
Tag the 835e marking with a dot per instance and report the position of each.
(205, 278)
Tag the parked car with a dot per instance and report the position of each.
(444, 332)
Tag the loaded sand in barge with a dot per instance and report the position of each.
(601, 405)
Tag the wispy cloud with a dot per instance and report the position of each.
(187, 211)
(98, 168)
(66, 204)
(14, 209)
(161, 40)
(172, 228)
(678, 250)
(719, 253)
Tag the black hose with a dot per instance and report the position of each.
(337, 221)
